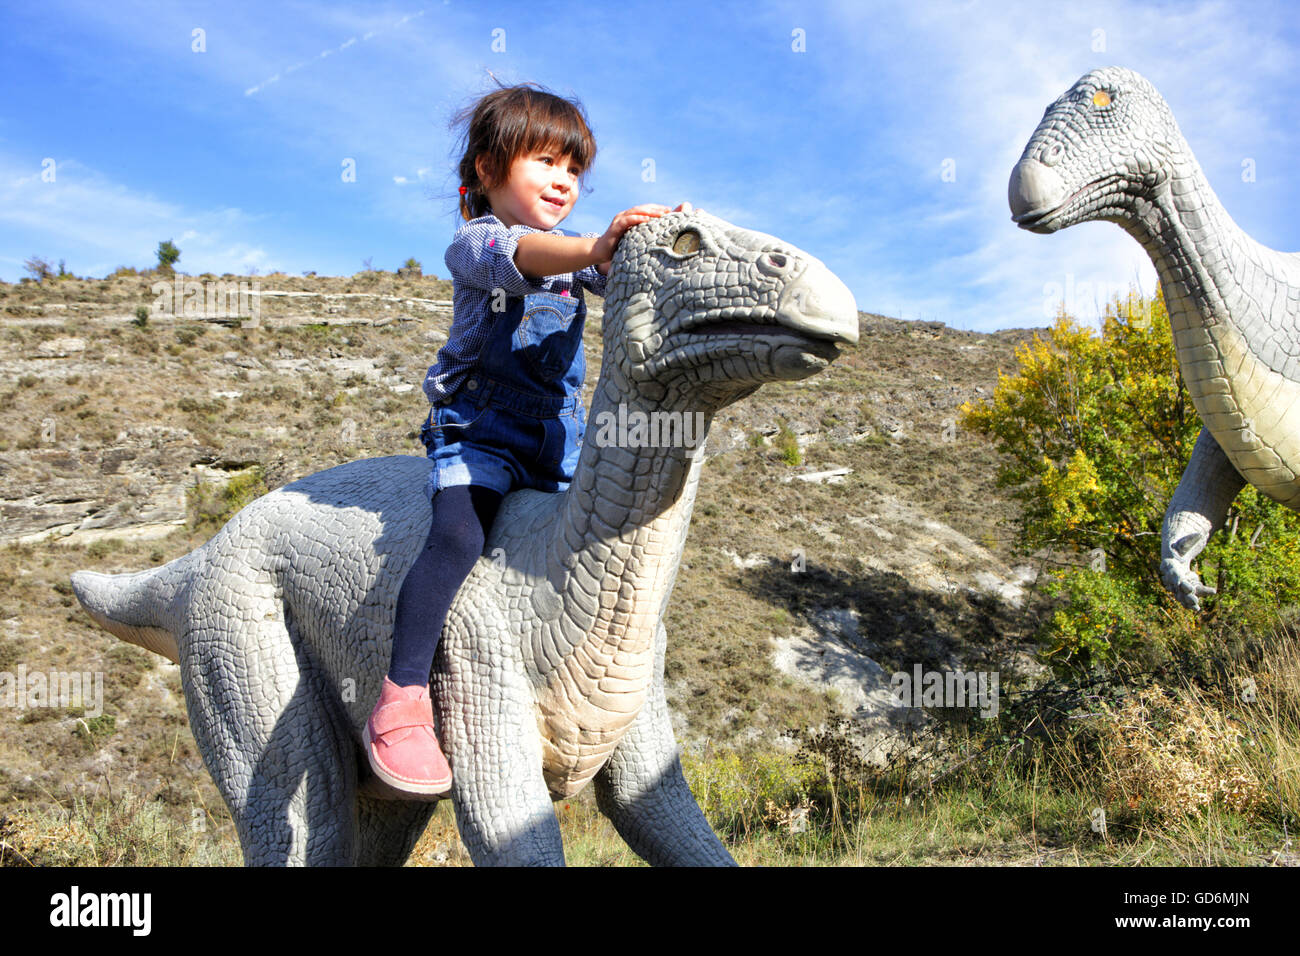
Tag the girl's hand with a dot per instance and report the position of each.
(607, 244)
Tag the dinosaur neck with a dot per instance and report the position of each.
(1202, 257)
(622, 526)
(1233, 320)
(610, 560)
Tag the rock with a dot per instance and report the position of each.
(290, 364)
(834, 476)
(242, 361)
(859, 687)
(890, 427)
(61, 347)
(347, 367)
(747, 562)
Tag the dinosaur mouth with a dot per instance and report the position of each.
(825, 345)
(1047, 219)
(1039, 220)
(1034, 220)
(737, 328)
(791, 347)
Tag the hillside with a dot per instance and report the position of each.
(120, 437)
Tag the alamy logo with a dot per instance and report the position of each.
(213, 299)
(948, 689)
(75, 908)
(21, 690)
(638, 429)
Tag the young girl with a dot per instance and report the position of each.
(506, 388)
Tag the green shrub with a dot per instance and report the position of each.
(95, 728)
(212, 504)
(787, 446)
(103, 547)
(168, 256)
(741, 795)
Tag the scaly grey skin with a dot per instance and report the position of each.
(1109, 149)
(550, 670)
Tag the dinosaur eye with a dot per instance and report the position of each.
(687, 242)
(1101, 98)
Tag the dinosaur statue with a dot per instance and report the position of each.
(1109, 149)
(550, 670)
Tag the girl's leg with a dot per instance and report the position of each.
(462, 517)
(403, 748)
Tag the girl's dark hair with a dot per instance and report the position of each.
(512, 121)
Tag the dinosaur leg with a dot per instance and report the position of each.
(488, 727)
(269, 731)
(387, 830)
(643, 792)
(1198, 509)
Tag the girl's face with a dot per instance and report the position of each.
(541, 191)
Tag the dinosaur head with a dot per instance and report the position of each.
(710, 311)
(1103, 150)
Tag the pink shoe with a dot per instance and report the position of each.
(403, 748)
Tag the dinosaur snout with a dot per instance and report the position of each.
(1034, 191)
(816, 302)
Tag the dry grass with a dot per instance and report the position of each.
(1179, 755)
(131, 829)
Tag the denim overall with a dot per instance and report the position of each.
(518, 419)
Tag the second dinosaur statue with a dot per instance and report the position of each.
(1109, 149)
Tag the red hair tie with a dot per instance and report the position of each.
(463, 190)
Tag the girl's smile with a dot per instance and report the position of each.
(540, 192)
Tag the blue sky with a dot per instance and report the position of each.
(236, 153)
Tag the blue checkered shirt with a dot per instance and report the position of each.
(481, 258)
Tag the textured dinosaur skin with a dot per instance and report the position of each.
(550, 670)
(1109, 149)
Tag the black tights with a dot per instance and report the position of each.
(462, 517)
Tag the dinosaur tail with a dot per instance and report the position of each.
(143, 608)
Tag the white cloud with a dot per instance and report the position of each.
(98, 224)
